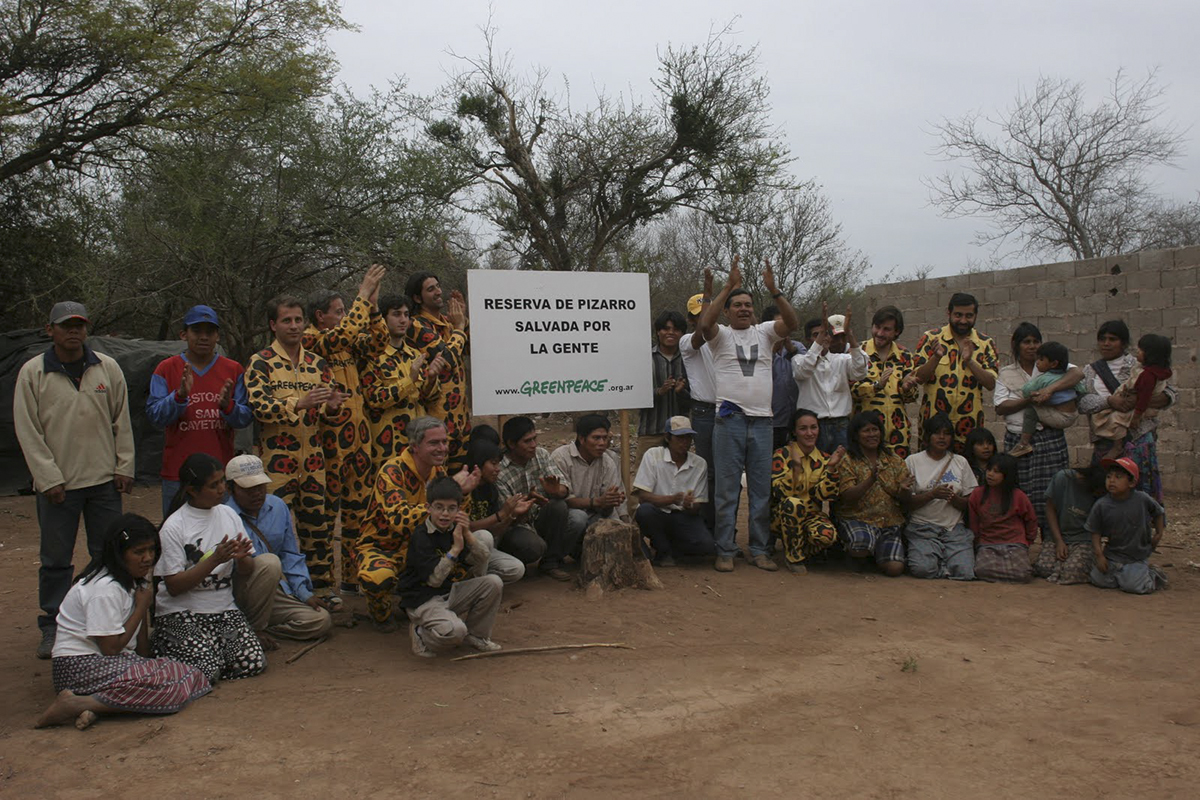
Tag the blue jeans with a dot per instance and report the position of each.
(169, 488)
(832, 433)
(742, 444)
(100, 506)
(703, 417)
(1135, 577)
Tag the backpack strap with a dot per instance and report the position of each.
(1106, 374)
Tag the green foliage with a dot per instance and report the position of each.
(910, 664)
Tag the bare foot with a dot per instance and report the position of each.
(66, 707)
(84, 720)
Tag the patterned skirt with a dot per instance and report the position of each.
(128, 682)
(1003, 562)
(1035, 470)
(1075, 569)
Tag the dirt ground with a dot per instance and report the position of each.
(751, 684)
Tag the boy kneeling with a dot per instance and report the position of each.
(445, 588)
(1125, 517)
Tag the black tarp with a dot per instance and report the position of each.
(137, 358)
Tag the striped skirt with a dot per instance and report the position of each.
(128, 682)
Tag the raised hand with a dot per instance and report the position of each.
(467, 480)
(456, 311)
(735, 274)
(185, 383)
(851, 341)
(415, 368)
(708, 283)
(369, 288)
(769, 278)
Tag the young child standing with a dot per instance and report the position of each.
(1053, 360)
(196, 620)
(1132, 523)
(445, 588)
(1004, 523)
(981, 446)
(1154, 356)
(101, 663)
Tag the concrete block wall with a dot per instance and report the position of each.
(1154, 292)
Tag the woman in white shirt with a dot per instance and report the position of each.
(939, 544)
(196, 620)
(100, 664)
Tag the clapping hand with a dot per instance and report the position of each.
(226, 393)
(735, 274)
(837, 456)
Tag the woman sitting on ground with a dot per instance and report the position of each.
(1067, 554)
(873, 485)
(1004, 524)
(101, 657)
(802, 479)
(196, 620)
(939, 544)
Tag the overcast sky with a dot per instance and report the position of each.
(855, 86)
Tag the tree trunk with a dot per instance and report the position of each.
(613, 559)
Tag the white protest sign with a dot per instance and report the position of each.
(559, 341)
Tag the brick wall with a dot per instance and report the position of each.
(1154, 292)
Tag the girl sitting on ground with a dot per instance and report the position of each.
(873, 486)
(101, 663)
(196, 619)
(939, 544)
(1004, 524)
(802, 479)
(1066, 555)
(981, 446)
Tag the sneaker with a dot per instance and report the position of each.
(558, 573)
(480, 643)
(666, 562)
(764, 562)
(1021, 450)
(798, 568)
(723, 564)
(46, 648)
(418, 644)
(349, 589)
(389, 625)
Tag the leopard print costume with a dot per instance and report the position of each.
(954, 391)
(289, 443)
(393, 400)
(890, 401)
(454, 409)
(349, 467)
(397, 507)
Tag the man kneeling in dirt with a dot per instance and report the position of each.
(445, 588)
(277, 597)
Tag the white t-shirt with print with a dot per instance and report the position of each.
(697, 363)
(742, 367)
(100, 607)
(186, 537)
(958, 474)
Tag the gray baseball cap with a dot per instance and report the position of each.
(66, 310)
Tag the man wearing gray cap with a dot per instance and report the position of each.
(71, 414)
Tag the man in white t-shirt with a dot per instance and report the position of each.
(824, 376)
(697, 362)
(742, 434)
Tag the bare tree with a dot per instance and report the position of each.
(1055, 173)
(564, 185)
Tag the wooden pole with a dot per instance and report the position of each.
(625, 477)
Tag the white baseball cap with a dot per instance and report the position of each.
(246, 471)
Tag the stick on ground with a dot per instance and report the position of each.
(516, 651)
(296, 656)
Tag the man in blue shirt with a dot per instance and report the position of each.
(277, 598)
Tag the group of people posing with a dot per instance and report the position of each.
(361, 413)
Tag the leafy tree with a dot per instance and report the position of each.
(1057, 174)
(564, 185)
(82, 81)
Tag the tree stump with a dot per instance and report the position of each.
(613, 559)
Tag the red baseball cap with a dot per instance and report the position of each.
(1126, 464)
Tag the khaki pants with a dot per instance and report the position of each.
(470, 607)
(271, 610)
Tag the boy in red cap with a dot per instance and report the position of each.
(1132, 522)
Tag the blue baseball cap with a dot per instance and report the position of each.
(198, 314)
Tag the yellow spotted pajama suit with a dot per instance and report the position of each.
(397, 507)
(797, 496)
(289, 443)
(890, 401)
(392, 400)
(349, 467)
(453, 408)
(955, 391)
